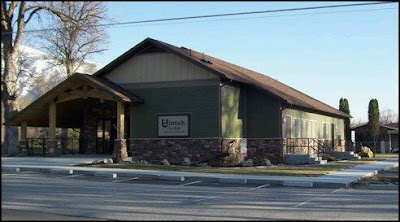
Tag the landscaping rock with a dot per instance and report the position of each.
(186, 162)
(267, 162)
(127, 159)
(248, 163)
(108, 161)
(97, 161)
(366, 152)
(165, 162)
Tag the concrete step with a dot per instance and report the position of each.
(344, 155)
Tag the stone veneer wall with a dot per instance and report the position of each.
(176, 149)
(94, 110)
(259, 149)
(214, 151)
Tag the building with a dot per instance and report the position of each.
(388, 134)
(173, 102)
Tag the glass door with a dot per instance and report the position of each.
(106, 133)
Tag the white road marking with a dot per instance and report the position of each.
(118, 181)
(308, 201)
(265, 185)
(186, 184)
(215, 197)
(7, 174)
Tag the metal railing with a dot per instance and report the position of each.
(37, 146)
(321, 147)
(70, 146)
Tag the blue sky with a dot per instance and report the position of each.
(327, 56)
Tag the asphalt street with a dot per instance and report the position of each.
(146, 199)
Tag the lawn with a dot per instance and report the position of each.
(276, 170)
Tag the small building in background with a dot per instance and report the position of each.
(388, 137)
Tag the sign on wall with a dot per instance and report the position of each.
(174, 125)
(243, 147)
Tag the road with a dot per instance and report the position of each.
(146, 199)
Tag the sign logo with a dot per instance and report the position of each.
(173, 125)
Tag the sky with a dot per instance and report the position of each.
(327, 54)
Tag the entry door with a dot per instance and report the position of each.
(106, 134)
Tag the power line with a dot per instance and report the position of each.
(257, 17)
(221, 15)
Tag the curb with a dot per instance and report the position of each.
(310, 183)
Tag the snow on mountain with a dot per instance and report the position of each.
(36, 63)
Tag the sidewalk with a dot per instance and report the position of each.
(335, 180)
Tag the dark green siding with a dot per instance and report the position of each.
(232, 114)
(201, 102)
(263, 115)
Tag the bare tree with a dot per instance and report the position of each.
(15, 15)
(71, 43)
(388, 116)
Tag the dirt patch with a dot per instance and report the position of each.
(384, 180)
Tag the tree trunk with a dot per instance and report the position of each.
(8, 101)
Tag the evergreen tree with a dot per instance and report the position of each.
(373, 120)
(344, 107)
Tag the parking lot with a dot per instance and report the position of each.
(140, 198)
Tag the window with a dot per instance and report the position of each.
(288, 127)
(296, 128)
(303, 129)
(324, 131)
(309, 129)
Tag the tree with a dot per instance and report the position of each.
(72, 42)
(388, 116)
(344, 107)
(14, 18)
(373, 120)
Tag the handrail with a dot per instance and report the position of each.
(317, 145)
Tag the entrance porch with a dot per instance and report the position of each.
(99, 108)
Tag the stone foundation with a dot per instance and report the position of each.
(214, 151)
(22, 148)
(176, 149)
(259, 149)
(52, 148)
(120, 151)
(223, 151)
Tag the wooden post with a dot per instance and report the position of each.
(52, 121)
(120, 120)
(24, 127)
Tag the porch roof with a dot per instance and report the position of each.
(70, 97)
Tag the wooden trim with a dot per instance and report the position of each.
(24, 126)
(120, 120)
(52, 121)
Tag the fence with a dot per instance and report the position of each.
(37, 146)
(320, 147)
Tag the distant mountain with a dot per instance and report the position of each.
(39, 73)
(36, 63)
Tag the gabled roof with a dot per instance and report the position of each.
(37, 107)
(390, 126)
(230, 71)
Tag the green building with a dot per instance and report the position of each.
(158, 101)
